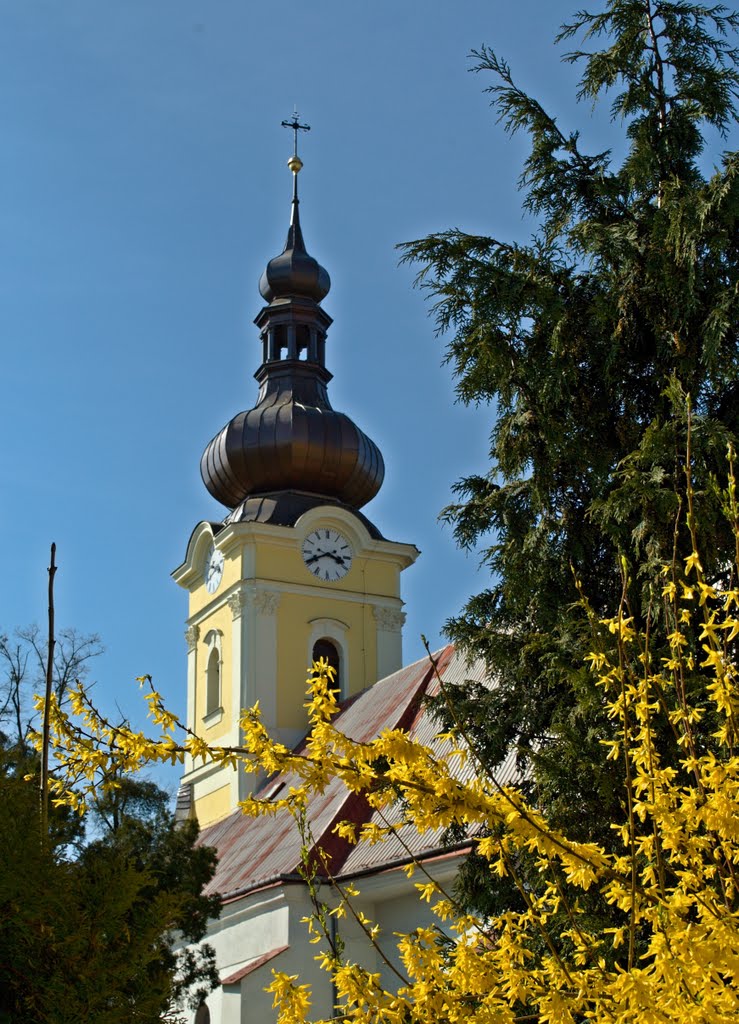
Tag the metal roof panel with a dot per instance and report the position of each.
(253, 852)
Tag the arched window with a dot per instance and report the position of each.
(213, 682)
(213, 666)
(329, 639)
(325, 648)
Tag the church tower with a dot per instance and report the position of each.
(295, 570)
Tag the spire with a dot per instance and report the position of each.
(294, 232)
(294, 272)
(292, 450)
(295, 235)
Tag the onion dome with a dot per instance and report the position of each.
(292, 451)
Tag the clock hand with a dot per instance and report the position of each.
(339, 559)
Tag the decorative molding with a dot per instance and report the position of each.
(237, 602)
(266, 601)
(389, 619)
(327, 627)
(213, 717)
(192, 635)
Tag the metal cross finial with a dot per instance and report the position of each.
(296, 127)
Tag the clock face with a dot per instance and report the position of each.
(213, 570)
(327, 554)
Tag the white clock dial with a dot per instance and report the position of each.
(327, 554)
(213, 570)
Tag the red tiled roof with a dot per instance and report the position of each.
(257, 852)
(407, 842)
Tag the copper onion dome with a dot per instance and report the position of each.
(292, 450)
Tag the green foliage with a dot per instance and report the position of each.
(89, 930)
(588, 341)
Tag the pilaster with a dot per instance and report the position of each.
(390, 623)
(264, 682)
(192, 635)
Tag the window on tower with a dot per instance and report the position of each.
(326, 649)
(213, 682)
(213, 671)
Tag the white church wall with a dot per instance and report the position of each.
(266, 921)
(246, 930)
(249, 928)
(391, 900)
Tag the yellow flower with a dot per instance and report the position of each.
(693, 562)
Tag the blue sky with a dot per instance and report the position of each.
(144, 187)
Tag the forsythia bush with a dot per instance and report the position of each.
(671, 882)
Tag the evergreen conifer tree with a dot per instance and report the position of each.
(95, 930)
(590, 342)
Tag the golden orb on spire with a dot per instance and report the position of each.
(295, 163)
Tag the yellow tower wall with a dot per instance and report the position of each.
(268, 610)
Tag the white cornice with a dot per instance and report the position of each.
(263, 586)
(188, 574)
(236, 535)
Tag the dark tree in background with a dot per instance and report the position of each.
(588, 341)
(94, 916)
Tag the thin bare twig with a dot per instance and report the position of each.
(44, 778)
